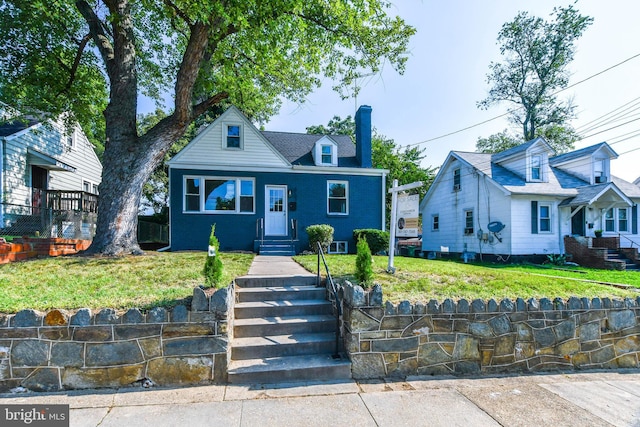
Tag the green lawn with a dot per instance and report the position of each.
(166, 278)
(419, 279)
(134, 281)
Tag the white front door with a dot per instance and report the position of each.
(275, 210)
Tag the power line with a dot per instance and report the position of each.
(515, 109)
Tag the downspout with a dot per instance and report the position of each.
(560, 238)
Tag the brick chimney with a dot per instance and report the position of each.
(363, 136)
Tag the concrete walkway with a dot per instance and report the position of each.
(585, 399)
(276, 266)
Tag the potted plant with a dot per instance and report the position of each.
(598, 233)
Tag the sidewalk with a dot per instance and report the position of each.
(276, 266)
(577, 399)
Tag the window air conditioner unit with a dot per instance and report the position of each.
(456, 187)
(468, 231)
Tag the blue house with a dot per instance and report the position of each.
(262, 189)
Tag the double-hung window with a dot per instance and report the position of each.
(219, 195)
(545, 219)
(337, 197)
(435, 222)
(233, 137)
(327, 155)
(616, 220)
(536, 174)
(468, 222)
(456, 180)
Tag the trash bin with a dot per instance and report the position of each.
(411, 250)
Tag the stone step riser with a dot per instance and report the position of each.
(341, 372)
(294, 349)
(263, 282)
(284, 329)
(254, 312)
(281, 295)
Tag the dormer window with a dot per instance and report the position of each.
(233, 137)
(599, 173)
(327, 156)
(536, 172)
(325, 152)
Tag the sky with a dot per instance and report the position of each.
(445, 77)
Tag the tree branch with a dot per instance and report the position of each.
(178, 12)
(208, 103)
(96, 29)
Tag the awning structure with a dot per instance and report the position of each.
(602, 196)
(37, 158)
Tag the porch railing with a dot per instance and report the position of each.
(63, 200)
(621, 236)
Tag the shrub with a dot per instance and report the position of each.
(557, 259)
(213, 265)
(364, 269)
(377, 240)
(321, 233)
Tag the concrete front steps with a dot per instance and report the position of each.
(284, 330)
(276, 247)
(615, 255)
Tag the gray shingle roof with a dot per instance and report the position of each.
(515, 150)
(583, 152)
(9, 128)
(297, 147)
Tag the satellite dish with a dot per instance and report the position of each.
(495, 226)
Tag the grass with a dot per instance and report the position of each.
(421, 280)
(154, 279)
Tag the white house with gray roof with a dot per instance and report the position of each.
(522, 202)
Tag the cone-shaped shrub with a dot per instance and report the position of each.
(213, 265)
(364, 268)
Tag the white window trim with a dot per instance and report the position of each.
(331, 153)
(465, 222)
(346, 195)
(540, 230)
(317, 152)
(225, 131)
(70, 140)
(433, 216)
(458, 186)
(540, 173)
(337, 244)
(616, 222)
(238, 182)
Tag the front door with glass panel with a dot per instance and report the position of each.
(275, 216)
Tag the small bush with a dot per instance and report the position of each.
(322, 233)
(557, 259)
(377, 240)
(213, 265)
(364, 268)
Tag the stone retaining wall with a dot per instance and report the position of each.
(487, 336)
(58, 350)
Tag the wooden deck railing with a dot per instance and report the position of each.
(80, 201)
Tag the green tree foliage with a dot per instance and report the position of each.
(403, 164)
(536, 55)
(155, 192)
(319, 233)
(94, 59)
(364, 267)
(213, 265)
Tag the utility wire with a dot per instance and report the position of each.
(515, 109)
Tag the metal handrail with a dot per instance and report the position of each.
(632, 242)
(334, 291)
(260, 229)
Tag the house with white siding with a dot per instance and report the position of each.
(524, 202)
(49, 180)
